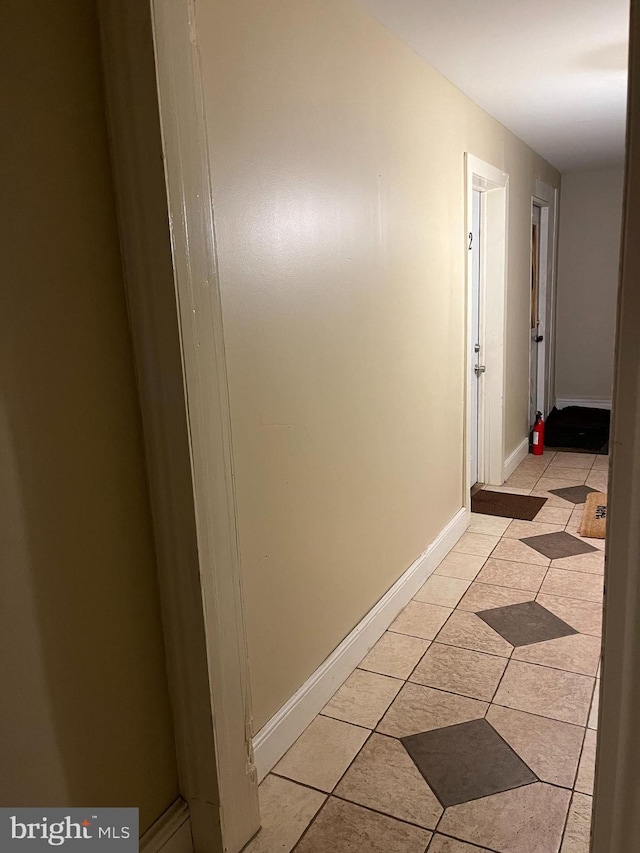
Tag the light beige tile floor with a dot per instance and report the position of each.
(395, 655)
(363, 698)
(349, 783)
(442, 590)
(483, 596)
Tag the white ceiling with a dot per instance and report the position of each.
(552, 71)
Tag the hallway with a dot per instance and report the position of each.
(502, 720)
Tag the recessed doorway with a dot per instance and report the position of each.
(541, 327)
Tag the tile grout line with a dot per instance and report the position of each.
(386, 814)
(368, 738)
(407, 680)
(506, 560)
(461, 840)
(310, 824)
(575, 778)
(573, 597)
(491, 702)
(566, 820)
(500, 657)
(565, 824)
(548, 569)
(348, 722)
(491, 654)
(330, 794)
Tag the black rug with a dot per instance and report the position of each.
(506, 505)
(577, 428)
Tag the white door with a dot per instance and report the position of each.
(475, 367)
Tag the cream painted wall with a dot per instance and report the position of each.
(338, 187)
(588, 260)
(84, 714)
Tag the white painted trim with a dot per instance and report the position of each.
(494, 185)
(586, 402)
(284, 728)
(514, 459)
(160, 156)
(186, 151)
(171, 833)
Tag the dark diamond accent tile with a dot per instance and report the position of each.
(466, 762)
(555, 546)
(573, 494)
(526, 623)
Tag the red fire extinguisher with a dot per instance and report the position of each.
(537, 443)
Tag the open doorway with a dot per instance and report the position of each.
(543, 291)
(536, 376)
(541, 329)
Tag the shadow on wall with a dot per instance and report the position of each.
(613, 57)
(84, 684)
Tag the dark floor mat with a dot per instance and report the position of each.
(578, 428)
(506, 505)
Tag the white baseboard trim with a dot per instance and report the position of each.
(286, 726)
(514, 459)
(587, 402)
(171, 833)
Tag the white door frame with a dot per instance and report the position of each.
(616, 816)
(162, 180)
(494, 186)
(546, 198)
